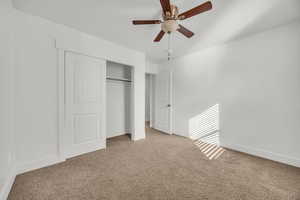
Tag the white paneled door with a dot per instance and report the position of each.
(163, 102)
(84, 100)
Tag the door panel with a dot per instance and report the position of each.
(85, 83)
(86, 128)
(163, 102)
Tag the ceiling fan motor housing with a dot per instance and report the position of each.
(172, 14)
(170, 20)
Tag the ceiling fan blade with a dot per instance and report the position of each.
(143, 22)
(195, 11)
(159, 36)
(185, 31)
(165, 4)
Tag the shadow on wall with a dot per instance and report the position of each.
(205, 130)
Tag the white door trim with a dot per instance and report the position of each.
(151, 99)
(171, 102)
(61, 103)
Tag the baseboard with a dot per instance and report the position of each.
(88, 148)
(37, 164)
(137, 139)
(118, 134)
(4, 192)
(134, 138)
(263, 154)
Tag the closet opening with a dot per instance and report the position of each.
(149, 99)
(119, 92)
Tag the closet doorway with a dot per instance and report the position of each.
(84, 110)
(119, 91)
(149, 99)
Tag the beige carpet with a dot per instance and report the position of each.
(160, 167)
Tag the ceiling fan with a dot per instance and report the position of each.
(171, 16)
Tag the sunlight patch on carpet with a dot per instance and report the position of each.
(210, 150)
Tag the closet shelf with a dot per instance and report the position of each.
(118, 79)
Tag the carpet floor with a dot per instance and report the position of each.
(162, 167)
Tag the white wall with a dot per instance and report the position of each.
(29, 88)
(36, 63)
(118, 100)
(256, 82)
(36, 95)
(151, 68)
(6, 99)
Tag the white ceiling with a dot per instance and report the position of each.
(111, 20)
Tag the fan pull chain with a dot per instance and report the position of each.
(169, 46)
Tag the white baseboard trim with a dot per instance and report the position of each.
(37, 164)
(4, 192)
(181, 134)
(118, 134)
(263, 154)
(86, 149)
(136, 138)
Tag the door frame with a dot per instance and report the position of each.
(151, 102)
(171, 93)
(137, 119)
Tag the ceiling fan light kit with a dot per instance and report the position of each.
(171, 16)
(169, 26)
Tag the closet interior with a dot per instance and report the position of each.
(118, 99)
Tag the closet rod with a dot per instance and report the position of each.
(118, 79)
